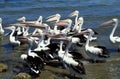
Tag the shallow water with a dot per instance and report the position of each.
(94, 12)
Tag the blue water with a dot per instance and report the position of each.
(94, 12)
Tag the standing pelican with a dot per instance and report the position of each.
(12, 39)
(76, 14)
(79, 23)
(113, 39)
(55, 18)
(34, 61)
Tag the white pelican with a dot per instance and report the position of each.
(1, 28)
(39, 21)
(23, 20)
(12, 39)
(62, 52)
(76, 14)
(113, 39)
(34, 61)
(67, 59)
(95, 51)
(41, 45)
(67, 23)
(76, 67)
(79, 23)
(55, 18)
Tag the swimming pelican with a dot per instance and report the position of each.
(95, 51)
(1, 29)
(113, 39)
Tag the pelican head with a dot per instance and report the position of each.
(110, 22)
(80, 20)
(75, 13)
(39, 20)
(22, 19)
(55, 17)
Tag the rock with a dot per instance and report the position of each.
(22, 76)
(46, 75)
(3, 67)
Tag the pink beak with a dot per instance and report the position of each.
(108, 23)
(61, 24)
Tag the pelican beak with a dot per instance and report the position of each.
(53, 18)
(8, 28)
(76, 12)
(108, 23)
(61, 24)
(40, 26)
(81, 33)
(60, 39)
(18, 24)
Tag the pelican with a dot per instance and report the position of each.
(67, 59)
(113, 39)
(1, 29)
(65, 22)
(39, 21)
(78, 24)
(76, 14)
(95, 51)
(41, 45)
(12, 39)
(56, 18)
(23, 20)
(34, 61)
(76, 67)
(61, 52)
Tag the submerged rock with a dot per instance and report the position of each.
(3, 67)
(22, 76)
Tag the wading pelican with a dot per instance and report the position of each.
(67, 59)
(95, 52)
(113, 39)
